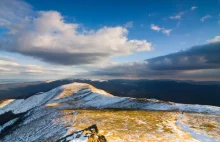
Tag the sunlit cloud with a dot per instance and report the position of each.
(48, 37)
(215, 39)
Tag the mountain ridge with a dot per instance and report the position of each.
(91, 97)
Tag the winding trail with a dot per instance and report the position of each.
(195, 135)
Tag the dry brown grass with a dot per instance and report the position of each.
(208, 123)
(127, 125)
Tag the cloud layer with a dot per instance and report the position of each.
(198, 57)
(48, 37)
(197, 63)
(9, 68)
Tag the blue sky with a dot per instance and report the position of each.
(145, 29)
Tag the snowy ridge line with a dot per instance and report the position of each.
(99, 99)
(85, 96)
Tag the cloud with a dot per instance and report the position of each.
(6, 58)
(197, 57)
(120, 70)
(193, 8)
(10, 68)
(12, 11)
(155, 27)
(13, 69)
(48, 37)
(166, 31)
(178, 16)
(141, 70)
(163, 30)
(205, 18)
(129, 24)
(215, 39)
(197, 63)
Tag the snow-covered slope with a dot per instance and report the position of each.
(39, 113)
(85, 96)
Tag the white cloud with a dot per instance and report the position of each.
(8, 63)
(155, 27)
(178, 16)
(205, 18)
(12, 69)
(142, 45)
(193, 8)
(11, 11)
(166, 31)
(4, 69)
(7, 58)
(49, 38)
(129, 24)
(215, 39)
(159, 29)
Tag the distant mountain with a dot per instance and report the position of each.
(27, 89)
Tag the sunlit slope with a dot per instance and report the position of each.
(129, 125)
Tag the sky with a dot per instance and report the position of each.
(145, 39)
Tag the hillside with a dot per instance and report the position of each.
(54, 114)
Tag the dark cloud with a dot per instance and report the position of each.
(134, 71)
(130, 70)
(65, 58)
(197, 63)
(198, 57)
